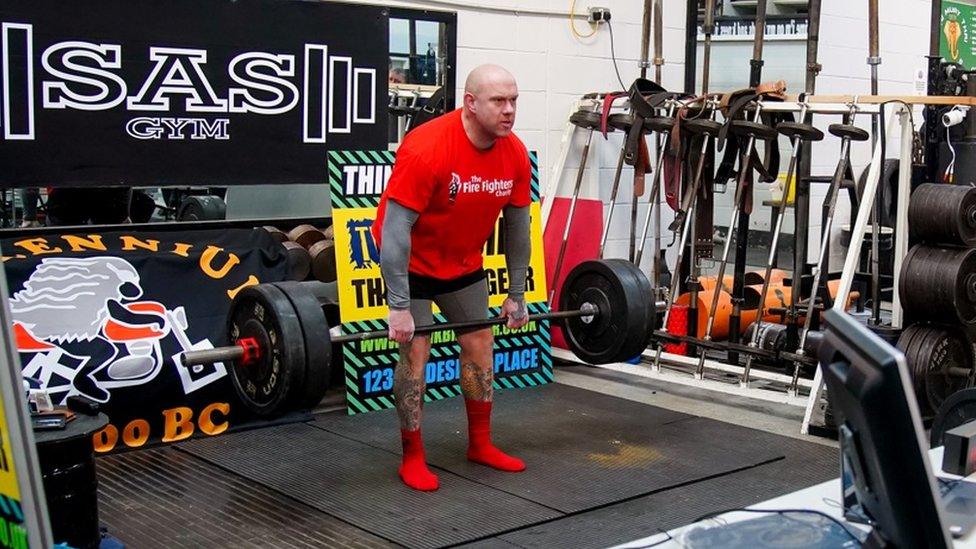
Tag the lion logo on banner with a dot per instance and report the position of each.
(89, 331)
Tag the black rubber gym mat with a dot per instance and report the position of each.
(807, 465)
(164, 498)
(583, 449)
(358, 484)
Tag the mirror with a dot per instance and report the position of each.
(422, 61)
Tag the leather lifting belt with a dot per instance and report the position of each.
(734, 106)
(675, 155)
(645, 96)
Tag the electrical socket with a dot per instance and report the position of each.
(599, 15)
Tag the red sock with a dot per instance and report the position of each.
(414, 471)
(480, 448)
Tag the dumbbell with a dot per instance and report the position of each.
(297, 257)
(321, 250)
(281, 354)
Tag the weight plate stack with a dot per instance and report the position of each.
(272, 384)
(938, 284)
(318, 345)
(943, 214)
(939, 360)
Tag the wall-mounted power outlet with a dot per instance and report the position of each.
(599, 15)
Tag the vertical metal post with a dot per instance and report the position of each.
(691, 45)
(901, 215)
(658, 40)
(801, 203)
(646, 37)
(655, 198)
(708, 28)
(638, 169)
(874, 60)
(742, 230)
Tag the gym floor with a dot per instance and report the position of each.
(611, 458)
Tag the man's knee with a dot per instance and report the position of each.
(416, 352)
(477, 342)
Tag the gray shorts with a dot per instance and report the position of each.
(467, 303)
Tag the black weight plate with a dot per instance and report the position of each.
(939, 283)
(318, 343)
(910, 343)
(847, 130)
(637, 340)
(661, 124)
(202, 208)
(958, 409)
(943, 214)
(702, 126)
(748, 128)
(298, 259)
(623, 327)
(586, 119)
(620, 121)
(270, 386)
(804, 132)
(887, 190)
(930, 352)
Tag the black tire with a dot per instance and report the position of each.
(202, 208)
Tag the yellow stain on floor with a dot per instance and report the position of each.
(626, 456)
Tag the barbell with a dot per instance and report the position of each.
(281, 356)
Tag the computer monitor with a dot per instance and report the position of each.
(881, 436)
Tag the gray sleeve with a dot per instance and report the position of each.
(518, 249)
(395, 253)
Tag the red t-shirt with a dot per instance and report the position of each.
(458, 190)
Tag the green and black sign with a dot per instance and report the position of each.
(522, 357)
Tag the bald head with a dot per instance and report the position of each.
(486, 76)
(490, 93)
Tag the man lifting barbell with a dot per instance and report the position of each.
(451, 179)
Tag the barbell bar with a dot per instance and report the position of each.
(248, 349)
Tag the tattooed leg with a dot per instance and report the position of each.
(409, 383)
(408, 391)
(477, 365)
(477, 369)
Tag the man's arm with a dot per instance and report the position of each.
(518, 251)
(395, 253)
